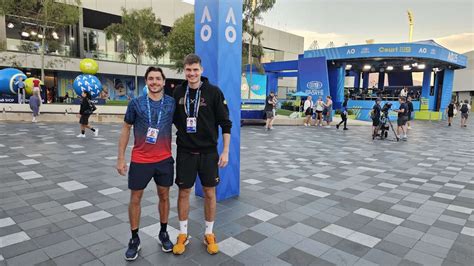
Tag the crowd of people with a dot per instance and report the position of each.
(316, 114)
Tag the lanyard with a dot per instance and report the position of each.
(197, 102)
(149, 112)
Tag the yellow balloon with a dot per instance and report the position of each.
(29, 85)
(89, 66)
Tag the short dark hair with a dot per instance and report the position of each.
(192, 59)
(402, 98)
(154, 69)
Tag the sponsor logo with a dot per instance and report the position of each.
(314, 85)
(452, 57)
(365, 51)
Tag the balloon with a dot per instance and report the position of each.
(88, 83)
(8, 77)
(29, 85)
(145, 90)
(89, 66)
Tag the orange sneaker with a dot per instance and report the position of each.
(180, 245)
(210, 242)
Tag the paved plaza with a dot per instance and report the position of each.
(309, 196)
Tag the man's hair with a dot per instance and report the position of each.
(192, 59)
(154, 69)
(466, 101)
(329, 96)
(402, 98)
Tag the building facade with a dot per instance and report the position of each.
(87, 39)
(464, 80)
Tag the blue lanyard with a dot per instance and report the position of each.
(197, 101)
(149, 112)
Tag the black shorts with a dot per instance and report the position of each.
(140, 174)
(450, 114)
(375, 122)
(269, 114)
(464, 115)
(190, 165)
(84, 120)
(402, 120)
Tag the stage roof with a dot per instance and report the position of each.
(426, 52)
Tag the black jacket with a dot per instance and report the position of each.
(85, 105)
(213, 112)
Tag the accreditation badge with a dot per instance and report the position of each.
(152, 135)
(191, 125)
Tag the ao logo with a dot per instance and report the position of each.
(206, 30)
(423, 51)
(314, 85)
(452, 57)
(351, 51)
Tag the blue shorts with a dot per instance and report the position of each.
(140, 174)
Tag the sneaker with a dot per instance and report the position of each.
(327, 126)
(166, 244)
(96, 133)
(210, 242)
(133, 248)
(81, 136)
(345, 128)
(449, 124)
(337, 126)
(409, 127)
(180, 245)
(305, 124)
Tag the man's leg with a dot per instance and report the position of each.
(267, 123)
(134, 209)
(183, 211)
(209, 205)
(164, 203)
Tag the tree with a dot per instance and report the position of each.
(252, 11)
(181, 40)
(49, 15)
(141, 32)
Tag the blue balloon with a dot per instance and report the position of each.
(8, 77)
(88, 83)
(145, 90)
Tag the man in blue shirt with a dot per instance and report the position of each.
(21, 90)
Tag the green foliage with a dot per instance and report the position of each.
(141, 32)
(181, 40)
(252, 13)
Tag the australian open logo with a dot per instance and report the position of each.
(314, 85)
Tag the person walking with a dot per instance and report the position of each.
(410, 110)
(344, 114)
(319, 111)
(308, 111)
(327, 112)
(270, 103)
(35, 104)
(151, 117)
(201, 109)
(451, 111)
(465, 108)
(87, 108)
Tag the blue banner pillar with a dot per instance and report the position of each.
(447, 89)
(272, 83)
(356, 80)
(365, 81)
(426, 86)
(381, 80)
(336, 84)
(218, 41)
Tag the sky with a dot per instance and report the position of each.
(448, 22)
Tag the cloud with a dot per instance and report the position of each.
(322, 38)
(460, 43)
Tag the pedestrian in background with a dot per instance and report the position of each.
(344, 114)
(308, 111)
(35, 104)
(87, 108)
(328, 111)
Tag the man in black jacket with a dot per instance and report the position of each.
(200, 109)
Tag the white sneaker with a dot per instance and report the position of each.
(409, 127)
(81, 136)
(96, 133)
(328, 126)
(305, 124)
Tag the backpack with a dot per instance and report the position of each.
(464, 108)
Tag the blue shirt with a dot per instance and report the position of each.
(137, 115)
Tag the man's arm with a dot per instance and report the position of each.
(123, 142)
(224, 158)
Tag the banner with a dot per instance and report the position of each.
(257, 85)
(218, 41)
(313, 77)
